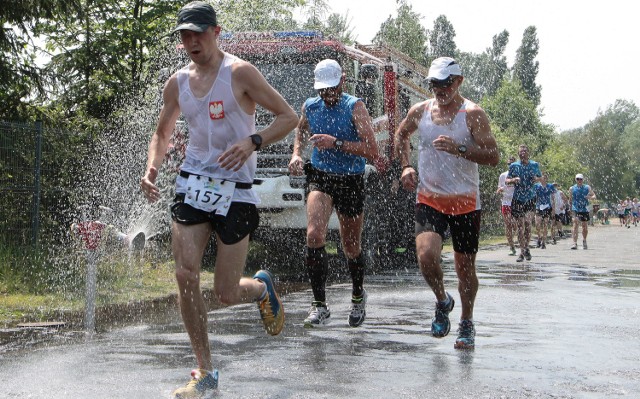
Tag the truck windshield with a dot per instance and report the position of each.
(293, 81)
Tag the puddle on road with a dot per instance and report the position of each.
(511, 277)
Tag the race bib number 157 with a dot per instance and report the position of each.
(209, 194)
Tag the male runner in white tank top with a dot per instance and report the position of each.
(455, 137)
(217, 94)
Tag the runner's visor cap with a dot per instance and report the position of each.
(328, 73)
(579, 176)
(442, 68)
(196, 16)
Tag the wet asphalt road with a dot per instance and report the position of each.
(564, 325)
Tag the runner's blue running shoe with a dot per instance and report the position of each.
(271, 309)
(440, 324)
(202, 383)
(466, 335)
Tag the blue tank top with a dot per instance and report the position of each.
(579, 201)
(336, 121)
(525, 190)
(543, 194)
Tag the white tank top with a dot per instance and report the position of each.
(447, 183)
(216, 122)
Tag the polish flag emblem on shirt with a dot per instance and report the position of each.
(216, 110)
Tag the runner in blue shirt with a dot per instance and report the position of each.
(579, 195)
(523, 174)
(545, 206)
(338, 127)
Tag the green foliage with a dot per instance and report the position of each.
(256, 15)
(101, 51)
(405, 32)
(560, 162)
(335, 25)
(525, 68)
(20, 77)
(515, 120)
(600, 145)
(485, 72)
(441, 40)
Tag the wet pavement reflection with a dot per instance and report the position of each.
(546, 328)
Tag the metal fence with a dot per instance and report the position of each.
(20, 188)
(36, 164)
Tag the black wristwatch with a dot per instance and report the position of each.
(462, 149)
(256, 139)
(338, 144)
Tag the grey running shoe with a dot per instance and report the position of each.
(318, 315)
(574, 246)
(466, 335)
(527, 254)
(440, 324)
(584, 244)
(358, 312)
(513, 252)
(520, 258)
(543, 246)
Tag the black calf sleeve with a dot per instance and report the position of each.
(317, 268)
(356, 268)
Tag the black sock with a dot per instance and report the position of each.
(356, 268)
(317, 269)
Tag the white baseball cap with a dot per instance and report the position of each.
(327, 74)
(443, 67)
(579, 176)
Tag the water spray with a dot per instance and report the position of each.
(94, 234)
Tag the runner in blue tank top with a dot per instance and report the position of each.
(523, 174)
(545, 206)
(579, 196)
(339, 128)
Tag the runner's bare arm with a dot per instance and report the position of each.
(160, 140)
(485, 150)
(296, 163)
(251, 88)
(407, 127)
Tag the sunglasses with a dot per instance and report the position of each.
(327, 90)
(578, 179)
(441, 84)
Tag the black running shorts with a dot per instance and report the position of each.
(519, 209)
(241, 219)
(465, 228)
(347, 191)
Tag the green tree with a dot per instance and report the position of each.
(257, 15)
(335, 25)
(559, 161)
(600, 149)
(405, 32)
(101, 51)
(631, 147)
(20, 77)
(339, 26)
(442, 39)
(515, 120)
(525, 68)
(485, 72)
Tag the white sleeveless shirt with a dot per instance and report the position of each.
(216, 122)
(448, 183)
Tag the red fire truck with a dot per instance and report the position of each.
(386, 80)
